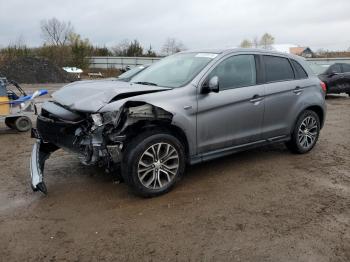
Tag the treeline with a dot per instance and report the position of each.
(64, 47)
(265, 41)
(321, 53)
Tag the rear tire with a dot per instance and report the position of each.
(153, 163)
(305, 133)
(23, 124)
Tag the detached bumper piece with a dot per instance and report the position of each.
(40, 153)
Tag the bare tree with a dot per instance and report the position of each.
(172, 46)
(267, 41)
(121, 49)
(246, 44)
(56, 32)
(255, 42)
(150, 52)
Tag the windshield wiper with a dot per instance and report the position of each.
(146, 83)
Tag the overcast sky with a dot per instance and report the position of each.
(197, 23)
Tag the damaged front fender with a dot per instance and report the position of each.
(133, 114)
(40, 153)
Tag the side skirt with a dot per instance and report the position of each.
(234, 149)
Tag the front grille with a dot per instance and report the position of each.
(59, 133)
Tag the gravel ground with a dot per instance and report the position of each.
(260, 205)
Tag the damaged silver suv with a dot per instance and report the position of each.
(185, 109)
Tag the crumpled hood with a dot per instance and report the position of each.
(90, 96)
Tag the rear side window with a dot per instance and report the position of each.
(346, 68)
(277, 69)
(236, 71)
(299, 70)
(334, 69)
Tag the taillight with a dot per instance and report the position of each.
(323, 86)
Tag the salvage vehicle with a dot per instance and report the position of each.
(187, 108)
(336, 77)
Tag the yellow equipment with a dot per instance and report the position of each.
(4, 99)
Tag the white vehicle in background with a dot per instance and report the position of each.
(73, 70)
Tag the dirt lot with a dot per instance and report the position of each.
(261, 205)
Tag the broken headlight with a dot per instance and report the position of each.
(97, 119)
(110, 117)
(105, 118)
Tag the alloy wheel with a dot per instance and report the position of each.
(158, 165)
(308, 131)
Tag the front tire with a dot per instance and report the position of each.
(153, 163)
(305, 133)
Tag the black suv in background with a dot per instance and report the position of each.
(336, 77)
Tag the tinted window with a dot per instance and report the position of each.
(346, 68)
(236, 71)
(277, 69)
(334, 69)
(299, 70)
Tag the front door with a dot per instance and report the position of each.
(335, 78)
(346, 75)
(234, 115)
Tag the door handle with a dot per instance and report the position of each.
(297, 90)
(256, 98)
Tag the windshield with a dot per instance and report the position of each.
(174, 71)
(318, 69)
(130, 73)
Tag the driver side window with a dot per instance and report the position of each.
(235, 71)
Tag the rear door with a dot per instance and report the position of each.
(282, 92)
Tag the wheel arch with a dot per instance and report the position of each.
(143, 126)
(319, 111)
(315, 108)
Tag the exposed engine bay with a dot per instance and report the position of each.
(98, 138)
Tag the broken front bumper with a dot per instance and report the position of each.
(40, 153)
(36, 173)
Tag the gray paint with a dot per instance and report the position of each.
(211, 121)
(90, 96)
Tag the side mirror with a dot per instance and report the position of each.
(211, 86)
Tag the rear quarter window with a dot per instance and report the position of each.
(277, 69)
(336, 68)
(299, 70)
